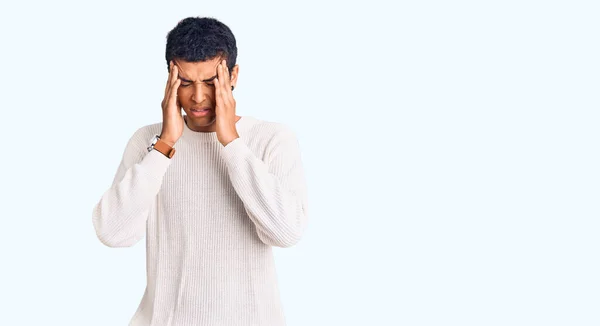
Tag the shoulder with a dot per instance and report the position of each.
(267, 131)
(270, 139)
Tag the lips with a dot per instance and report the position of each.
(201, 109)
(201, 112)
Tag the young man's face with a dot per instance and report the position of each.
(197, 88)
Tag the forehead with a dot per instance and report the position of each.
(197, 70)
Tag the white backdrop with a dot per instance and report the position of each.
(451, 151)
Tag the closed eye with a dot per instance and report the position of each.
(186, 85)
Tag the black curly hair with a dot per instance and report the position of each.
(200, 39)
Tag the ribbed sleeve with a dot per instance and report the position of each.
(120, 216)
(273, 192)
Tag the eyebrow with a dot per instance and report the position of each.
(189, 81)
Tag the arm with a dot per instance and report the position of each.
(120, 216)
(274, 193)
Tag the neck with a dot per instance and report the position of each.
(211, 127)
(207, 128)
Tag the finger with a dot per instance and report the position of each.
(219, 76)
(220, 95)
(227, 95)
(223, 81)
(174, 77)
(226, 76)
(177, 102)
(173, 95)
(218, 92)
(169, 78)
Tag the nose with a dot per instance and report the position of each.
(198, 95)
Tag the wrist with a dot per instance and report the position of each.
(226, 141)
(167, 140)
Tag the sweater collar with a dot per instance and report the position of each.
(211, 136)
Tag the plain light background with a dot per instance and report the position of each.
(451, 152)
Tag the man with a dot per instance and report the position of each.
(212, 193)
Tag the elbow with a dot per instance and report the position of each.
(110, 237)
(115, 242)
(281, 242)
(287, 242)
(284, 238)
(283, 229)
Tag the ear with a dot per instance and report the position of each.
(234, 74)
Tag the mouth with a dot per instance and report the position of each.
(199, 112)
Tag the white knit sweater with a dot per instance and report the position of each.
(211, 215)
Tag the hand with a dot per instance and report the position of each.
(225, 107)
(172, 127)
